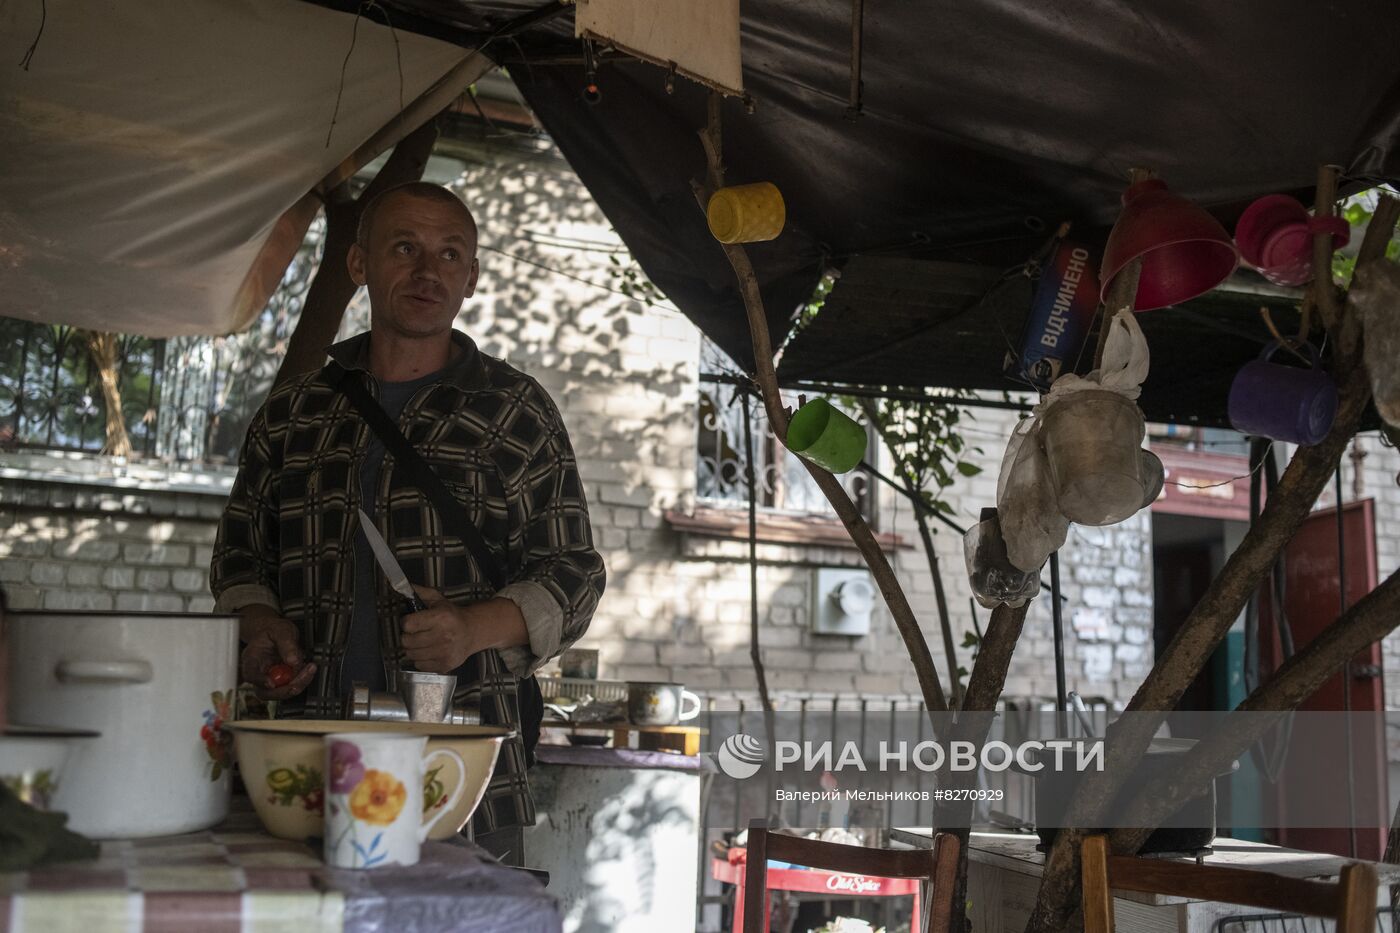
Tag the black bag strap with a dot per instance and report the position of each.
(452, 511)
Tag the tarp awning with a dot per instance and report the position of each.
(154, 151)
(150, 151)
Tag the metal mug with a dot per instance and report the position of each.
(579, 663)
(660, 704)
(363, 703)
(426, 697)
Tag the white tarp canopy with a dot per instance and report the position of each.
(159, 157)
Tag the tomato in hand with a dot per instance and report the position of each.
(280, 674)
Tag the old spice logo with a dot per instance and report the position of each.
(856, 884)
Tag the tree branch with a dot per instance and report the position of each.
(1369, 620)
(1183, 659)
(766, 377)
(994, 658)
(755, 652)
(940, 601)
(945, 621)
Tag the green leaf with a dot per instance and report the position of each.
(969, 469)
(970, 640)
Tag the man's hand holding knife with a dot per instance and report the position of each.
(438, 639)
(439, 636)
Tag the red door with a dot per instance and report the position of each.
(1313, 582)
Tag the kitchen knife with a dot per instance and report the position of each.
(397, 578)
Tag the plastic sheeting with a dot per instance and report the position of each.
(158, 156)
(984, 124)
(1032, 517)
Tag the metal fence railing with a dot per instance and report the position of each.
(1386, 920)
(182, 399)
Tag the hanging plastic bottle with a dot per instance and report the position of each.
(995, 580)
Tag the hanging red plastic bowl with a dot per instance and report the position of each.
(1275, 236)
(1185, 251)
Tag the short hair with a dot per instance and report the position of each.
(418, 189)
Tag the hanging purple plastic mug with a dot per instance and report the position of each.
(1285, 403)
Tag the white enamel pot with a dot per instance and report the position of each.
(158, 687)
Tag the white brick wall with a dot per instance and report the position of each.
(66, 545)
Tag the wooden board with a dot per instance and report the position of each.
(701, 40)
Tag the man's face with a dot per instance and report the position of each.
(419, 265)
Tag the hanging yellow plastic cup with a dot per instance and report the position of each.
(746, 213)
(826, 436)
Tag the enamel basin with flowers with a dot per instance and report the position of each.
(283, 766)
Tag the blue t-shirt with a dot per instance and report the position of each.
(364, 660)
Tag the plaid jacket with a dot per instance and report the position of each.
(495, 439)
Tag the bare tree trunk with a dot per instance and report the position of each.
(989, 672)
(330, 292)
(767, 380)
(104, 349)
(755, 654)
(1287, 507)
(984, 687)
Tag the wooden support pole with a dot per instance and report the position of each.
(1323, 290)
(1122, 292)
(853, 108)
(1098, 893)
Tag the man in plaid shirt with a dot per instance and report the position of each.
(290, 558)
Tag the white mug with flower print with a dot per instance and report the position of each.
(374, 798)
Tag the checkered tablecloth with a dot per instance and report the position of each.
(237, 879)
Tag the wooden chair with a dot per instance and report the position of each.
(1351, 900)
(936, 866)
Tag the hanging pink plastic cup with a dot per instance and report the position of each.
(1275, 236)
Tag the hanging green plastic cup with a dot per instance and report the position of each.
(825, 435)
